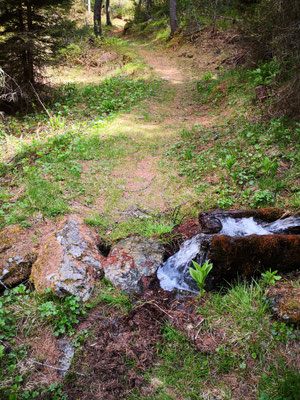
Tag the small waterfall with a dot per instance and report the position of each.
(174, 273)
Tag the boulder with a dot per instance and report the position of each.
(17, 253)
(130, 260)
(68, 260)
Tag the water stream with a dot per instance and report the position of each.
(174, 273)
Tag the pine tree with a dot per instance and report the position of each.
(28, 36)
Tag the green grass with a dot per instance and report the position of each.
(253, 164)
(50, 171)
(253, 349)
(147, 226)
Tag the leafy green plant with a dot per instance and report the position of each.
(269, 166)
(230, 161)
(199, 274)
(269, 277)
(62, 314)
(265, 74)
(282, 332)
(262, 198)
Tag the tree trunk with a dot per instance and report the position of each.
(28, 67)
(97, 18)
(215, 15)
(108, 21)
(173, 16)
(148, 4)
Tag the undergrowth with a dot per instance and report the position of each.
(249, 164)
(244, 345)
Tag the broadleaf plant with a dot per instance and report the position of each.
(199, 274)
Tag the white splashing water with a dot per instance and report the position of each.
(282, 224)
(174, 273)
(241, 227)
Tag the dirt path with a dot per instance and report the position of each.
(145, 178)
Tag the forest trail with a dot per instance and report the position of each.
(144, 178)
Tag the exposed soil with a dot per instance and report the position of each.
(122, 348)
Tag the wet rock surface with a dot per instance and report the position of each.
(17, 254)
(237, 243)
(245, 256)
(284, 299)
(68, 261)
(132, 259)
(272, 219)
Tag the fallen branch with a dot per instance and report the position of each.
(154, 304)
(39, 99)
(56, 368)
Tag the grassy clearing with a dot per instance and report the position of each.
(46, 171)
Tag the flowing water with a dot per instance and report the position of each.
(174, 273)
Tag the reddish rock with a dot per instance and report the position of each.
(284, 298)
(131, 260)
(243, 256)
(68, 260)
(18, 251)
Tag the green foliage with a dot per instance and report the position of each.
(108, 294)
(265, 74)
(70, 53)
(279, 383)
(61, 314)
(244, 161)
(148, 225)
(51, 392)
(262, 198)
(199, 274)
(269, 277)
(49, 171)
(22, 313)
(282, 332)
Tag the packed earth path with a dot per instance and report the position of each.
(143, 178)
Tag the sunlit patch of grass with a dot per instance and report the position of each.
(148, 226)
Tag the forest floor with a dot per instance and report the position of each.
(127, 141)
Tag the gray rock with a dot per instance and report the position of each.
(68, 261)
(132, 259)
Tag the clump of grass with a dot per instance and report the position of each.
(148, 226)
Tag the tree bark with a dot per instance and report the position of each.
(108, 21)
(148, 4)
(173, 16)
(97, 18)
(28, 67)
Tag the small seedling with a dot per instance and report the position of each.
(269, 277)
(199, 274)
